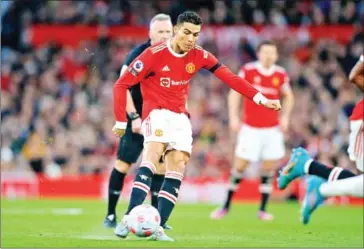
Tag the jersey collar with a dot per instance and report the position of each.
(263, 70)
(171, 50)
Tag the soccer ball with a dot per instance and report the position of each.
(144, 220)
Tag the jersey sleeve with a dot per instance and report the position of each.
(136, 72)
(285, 87)
(209, 61)
(239, 84)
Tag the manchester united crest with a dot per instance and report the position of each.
(275, 81)
(158, 132)
(190, 68)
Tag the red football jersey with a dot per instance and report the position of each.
(269, 82)
(164, 78)
(358, 112)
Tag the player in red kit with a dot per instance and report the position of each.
(164, 72)
(331, 181)
(260, 130)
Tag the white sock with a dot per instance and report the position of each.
(307, 165)
(353, 186)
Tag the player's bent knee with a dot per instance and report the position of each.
(176, 161)
(153, 152)
(240, 164)
(269, 166)
(122, 166)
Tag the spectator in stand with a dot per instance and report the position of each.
(139, 12)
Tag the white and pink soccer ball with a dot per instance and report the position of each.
(144, 220)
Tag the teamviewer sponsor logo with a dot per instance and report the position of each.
(179, 82)
(165, 82)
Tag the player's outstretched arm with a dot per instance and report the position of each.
(237, 83)
(244, 88)
(356, 75)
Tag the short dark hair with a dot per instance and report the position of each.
(266, 42)
(190, 17)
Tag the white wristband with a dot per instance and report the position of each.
(259, 99)
(361, 58)
(120, 125)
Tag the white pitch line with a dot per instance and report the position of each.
(67, 211)
(97, 237)
(43, 211)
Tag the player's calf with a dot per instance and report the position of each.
(157, 182)
(236, 175)
(313, 167)
(116, 182)
(265, 189)
(168, 195)
(143, 178)
(141, 185)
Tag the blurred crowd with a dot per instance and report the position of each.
(56, 102)
(137, 12)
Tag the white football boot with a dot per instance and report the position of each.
(122, 229)
(160, 235)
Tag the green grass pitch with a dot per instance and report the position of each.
(78, 223)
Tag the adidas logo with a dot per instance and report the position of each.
(165, 69)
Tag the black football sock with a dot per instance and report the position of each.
(157, 182)
(235, 179)
(141, 185)
(328, 173)
(265, 189)
(116, 182)
(168, 195)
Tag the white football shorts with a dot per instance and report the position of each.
(259, 144)
(165, 126)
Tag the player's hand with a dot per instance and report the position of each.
(234, 124)
(274, 104)
(136, 126)
(118, 132)
(284, 124)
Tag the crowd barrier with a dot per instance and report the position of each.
(193, 190)
(225, 37)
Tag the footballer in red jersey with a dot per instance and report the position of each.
(356, 143)
(164, 72)
(356, 137)
(260, 130)
(330, 181)
(131, 144)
